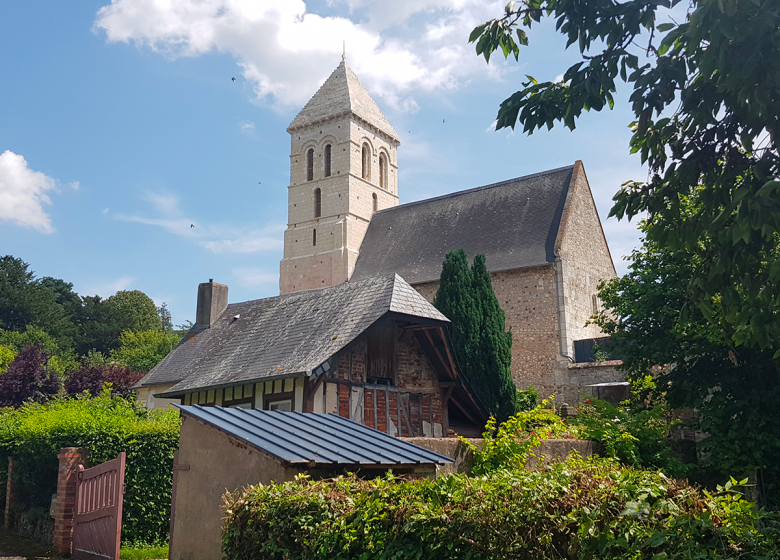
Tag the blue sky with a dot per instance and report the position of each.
(120, 126)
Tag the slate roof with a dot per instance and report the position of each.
(514, 223)
(341, 94)
(298, 438)
(290, 334)
(177, 363)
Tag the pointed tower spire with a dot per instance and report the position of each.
(343, 168)
(343, 94)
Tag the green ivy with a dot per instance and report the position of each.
(104, 425)
(577, 509)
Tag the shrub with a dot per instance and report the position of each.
(508, 445)
(91, 377)
(577, 509)
(527, 400)
(29, 377)
(104, 425)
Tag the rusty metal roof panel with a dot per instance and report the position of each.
(306, 438)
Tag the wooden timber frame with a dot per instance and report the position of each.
(402, 407)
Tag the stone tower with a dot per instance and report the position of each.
(343, 168)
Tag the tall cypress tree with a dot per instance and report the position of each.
(481, 345)
(492, 368)
(455, 301)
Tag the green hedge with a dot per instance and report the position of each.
(579, 509)
(103, 425)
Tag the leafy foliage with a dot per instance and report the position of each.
(29, 378)
(732, 388)
(509, 445)
(635, 436)
(7, 355)
(479, 337)
(104, 426)
(527, 399)
(143, 350)
(93, 377)
(705, 101)
(582, 509)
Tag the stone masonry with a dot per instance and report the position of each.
(321, 251)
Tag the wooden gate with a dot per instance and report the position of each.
(97, 519)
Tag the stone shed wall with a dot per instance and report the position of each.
(216, 463)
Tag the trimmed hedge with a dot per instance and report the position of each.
(104, 425)
(578, 509)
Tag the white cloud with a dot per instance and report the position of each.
(286, 52)
(247, 126)
(217, 238)
(23, 193)
(255, 277)
(492, 127)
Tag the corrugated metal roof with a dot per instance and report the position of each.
(303, 438)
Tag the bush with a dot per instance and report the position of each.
(92, 377)
(104, 425)
(582, 509)
(508, 445)
(29, 377)
(527, 400)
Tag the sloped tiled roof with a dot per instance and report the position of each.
(173, 367)
(514, 223)
(293, 333)
(342, 93)
(298, 438)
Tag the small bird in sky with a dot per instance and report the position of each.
(259, 182)
(233, 78)
(442, 121)
(192, 225)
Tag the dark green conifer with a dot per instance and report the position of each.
(492, 367)
(482, 346)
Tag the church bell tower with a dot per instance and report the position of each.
(343, 168)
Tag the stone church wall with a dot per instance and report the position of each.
(528, 299)
(585, 261)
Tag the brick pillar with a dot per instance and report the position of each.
(10, 493)
(70, 459)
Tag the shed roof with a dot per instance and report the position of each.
(514, 223)
(290, 334)
(306, 438)
(342, 94)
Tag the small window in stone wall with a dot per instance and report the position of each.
(310, 165)
(327, 160)
(595, 304)
(383, 171)
(376, 202)
(314, 238)
(317, 203)
(366, 162)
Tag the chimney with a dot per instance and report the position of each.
(212, 300)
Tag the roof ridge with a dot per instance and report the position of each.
(475, 189)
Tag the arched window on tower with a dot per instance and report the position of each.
(383, 171)
(366, 167)
(327, 160)
(314, 237)
(376, 202)
(317, 203)
(310, 165)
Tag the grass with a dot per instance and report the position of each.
(143, 552)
